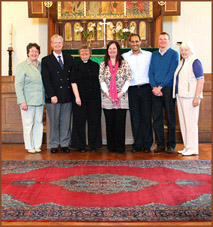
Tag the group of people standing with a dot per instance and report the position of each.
(145, 83)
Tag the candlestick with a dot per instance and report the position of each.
(11, 36)
(10, 70)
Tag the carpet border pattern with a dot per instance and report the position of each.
(189, 166)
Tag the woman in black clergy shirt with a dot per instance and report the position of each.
(87, 105)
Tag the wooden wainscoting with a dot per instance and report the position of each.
(205, 116)
(10, 112)
(12, 124)
(11, 128)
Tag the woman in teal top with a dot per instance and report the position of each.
(30, 96)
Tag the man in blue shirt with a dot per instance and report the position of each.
(161, 73)
(139, 94)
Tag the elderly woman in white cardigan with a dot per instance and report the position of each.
(188, 89)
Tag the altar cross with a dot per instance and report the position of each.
(104, 23)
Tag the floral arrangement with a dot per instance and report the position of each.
(89, 33)
(123, 33)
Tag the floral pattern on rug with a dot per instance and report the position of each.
(76, 190)
(104, 183)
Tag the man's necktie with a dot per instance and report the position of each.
(60, 62)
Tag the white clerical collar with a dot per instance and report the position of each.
(85, 61)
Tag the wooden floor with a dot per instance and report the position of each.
(17, 152)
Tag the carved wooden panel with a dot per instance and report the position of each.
(142, 30)
(110, 35)
(36, 9)
(133, 26)
(171, 8)
(77, 36)
(89, 25)
(205, 114)
(67, 32)
(60, 13)
(10, 113)
(11, 116)
(76, 10)
(144, 27)
(12, 130)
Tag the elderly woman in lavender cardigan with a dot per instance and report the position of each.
(188, 89)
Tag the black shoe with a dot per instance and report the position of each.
(65, 149)
(120, 151)
(54, 150)
(159, 150)
(82, 150)
(146, 150)
(170, 150)
(134, 150)
(112, 150)
(93, 150)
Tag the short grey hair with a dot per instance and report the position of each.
(85, 47)
(189, 44)
(57, 36)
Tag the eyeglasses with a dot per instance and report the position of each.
(57, 42)
(163, 39)
(34, 51)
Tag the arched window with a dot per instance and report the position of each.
(68, 32)
(77, 35)
(142, 30)
(119, 24)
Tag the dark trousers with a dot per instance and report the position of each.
(140, 104)
(115, 129)
(90, 112)
(158, 103)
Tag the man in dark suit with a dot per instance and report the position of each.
(56, 72)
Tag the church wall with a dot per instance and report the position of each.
(194, 25)
(25, 30)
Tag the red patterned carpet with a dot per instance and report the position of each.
(106, 190)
